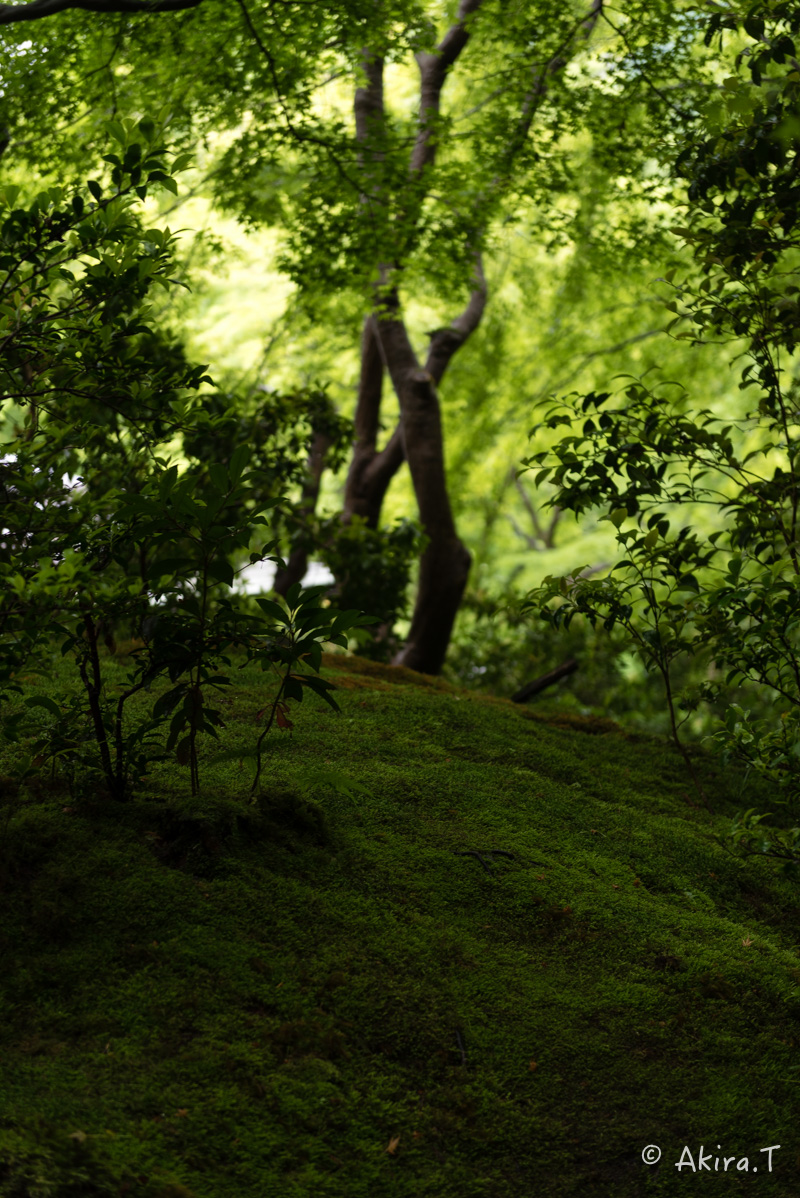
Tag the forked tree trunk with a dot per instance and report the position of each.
(370, 471)
(445, 563)
(444, 566)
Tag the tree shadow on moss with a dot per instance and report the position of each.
(201, 837)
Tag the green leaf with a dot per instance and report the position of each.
(219, 570)
(117, 131)
(165, 703)
(183, 752)
(344, 620)
(293, 594)
(166, 482)
(321, 687)
(273, 610)
(219, 477)
(239, 460)
(311, 621)
(313, 656)
(43, 701)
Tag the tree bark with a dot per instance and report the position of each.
(370, 471)
(11, 13)
(539, 684)
(445, 563)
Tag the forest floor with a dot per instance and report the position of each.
(455, 949)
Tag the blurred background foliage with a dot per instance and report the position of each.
(559, 320)
(562, 317)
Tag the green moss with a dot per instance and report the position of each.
(519, 949)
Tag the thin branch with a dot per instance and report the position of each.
(434, 69)
(445, 342)
(470, 318)
(498, 91)
(530, 509)
(37, 9)
(559, 384)
(301, 136)
(531, 542)
(543, 75)
(658, 91)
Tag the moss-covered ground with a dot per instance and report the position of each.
(454, 950)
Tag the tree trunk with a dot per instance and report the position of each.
(370, 471)
(443, 572)
(539, 684)
(444, 566)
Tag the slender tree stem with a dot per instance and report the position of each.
(267, 727)
(93, 688)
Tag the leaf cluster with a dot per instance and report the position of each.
(655, 453)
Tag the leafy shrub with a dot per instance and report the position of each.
(134, 542)
(732, 599)
(372, 568)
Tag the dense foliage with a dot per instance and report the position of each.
(102, 532)
(256, 987)
(651, 453)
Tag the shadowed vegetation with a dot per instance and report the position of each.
(453, 949)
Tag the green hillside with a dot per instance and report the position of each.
(454, 950)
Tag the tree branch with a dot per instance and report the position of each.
(369, 114)
(658, 90)
(420, 417)
(531, 542)
(433, 69)
(300, 135)
(385, 464)
(37, 9)
(370, 472)
(531, 510)
(540, 684)
(368, 104)
(542, 76)
(445, 342)
(370, 387)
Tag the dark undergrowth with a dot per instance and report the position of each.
(453, 950)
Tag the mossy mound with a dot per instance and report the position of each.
(501, 961)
